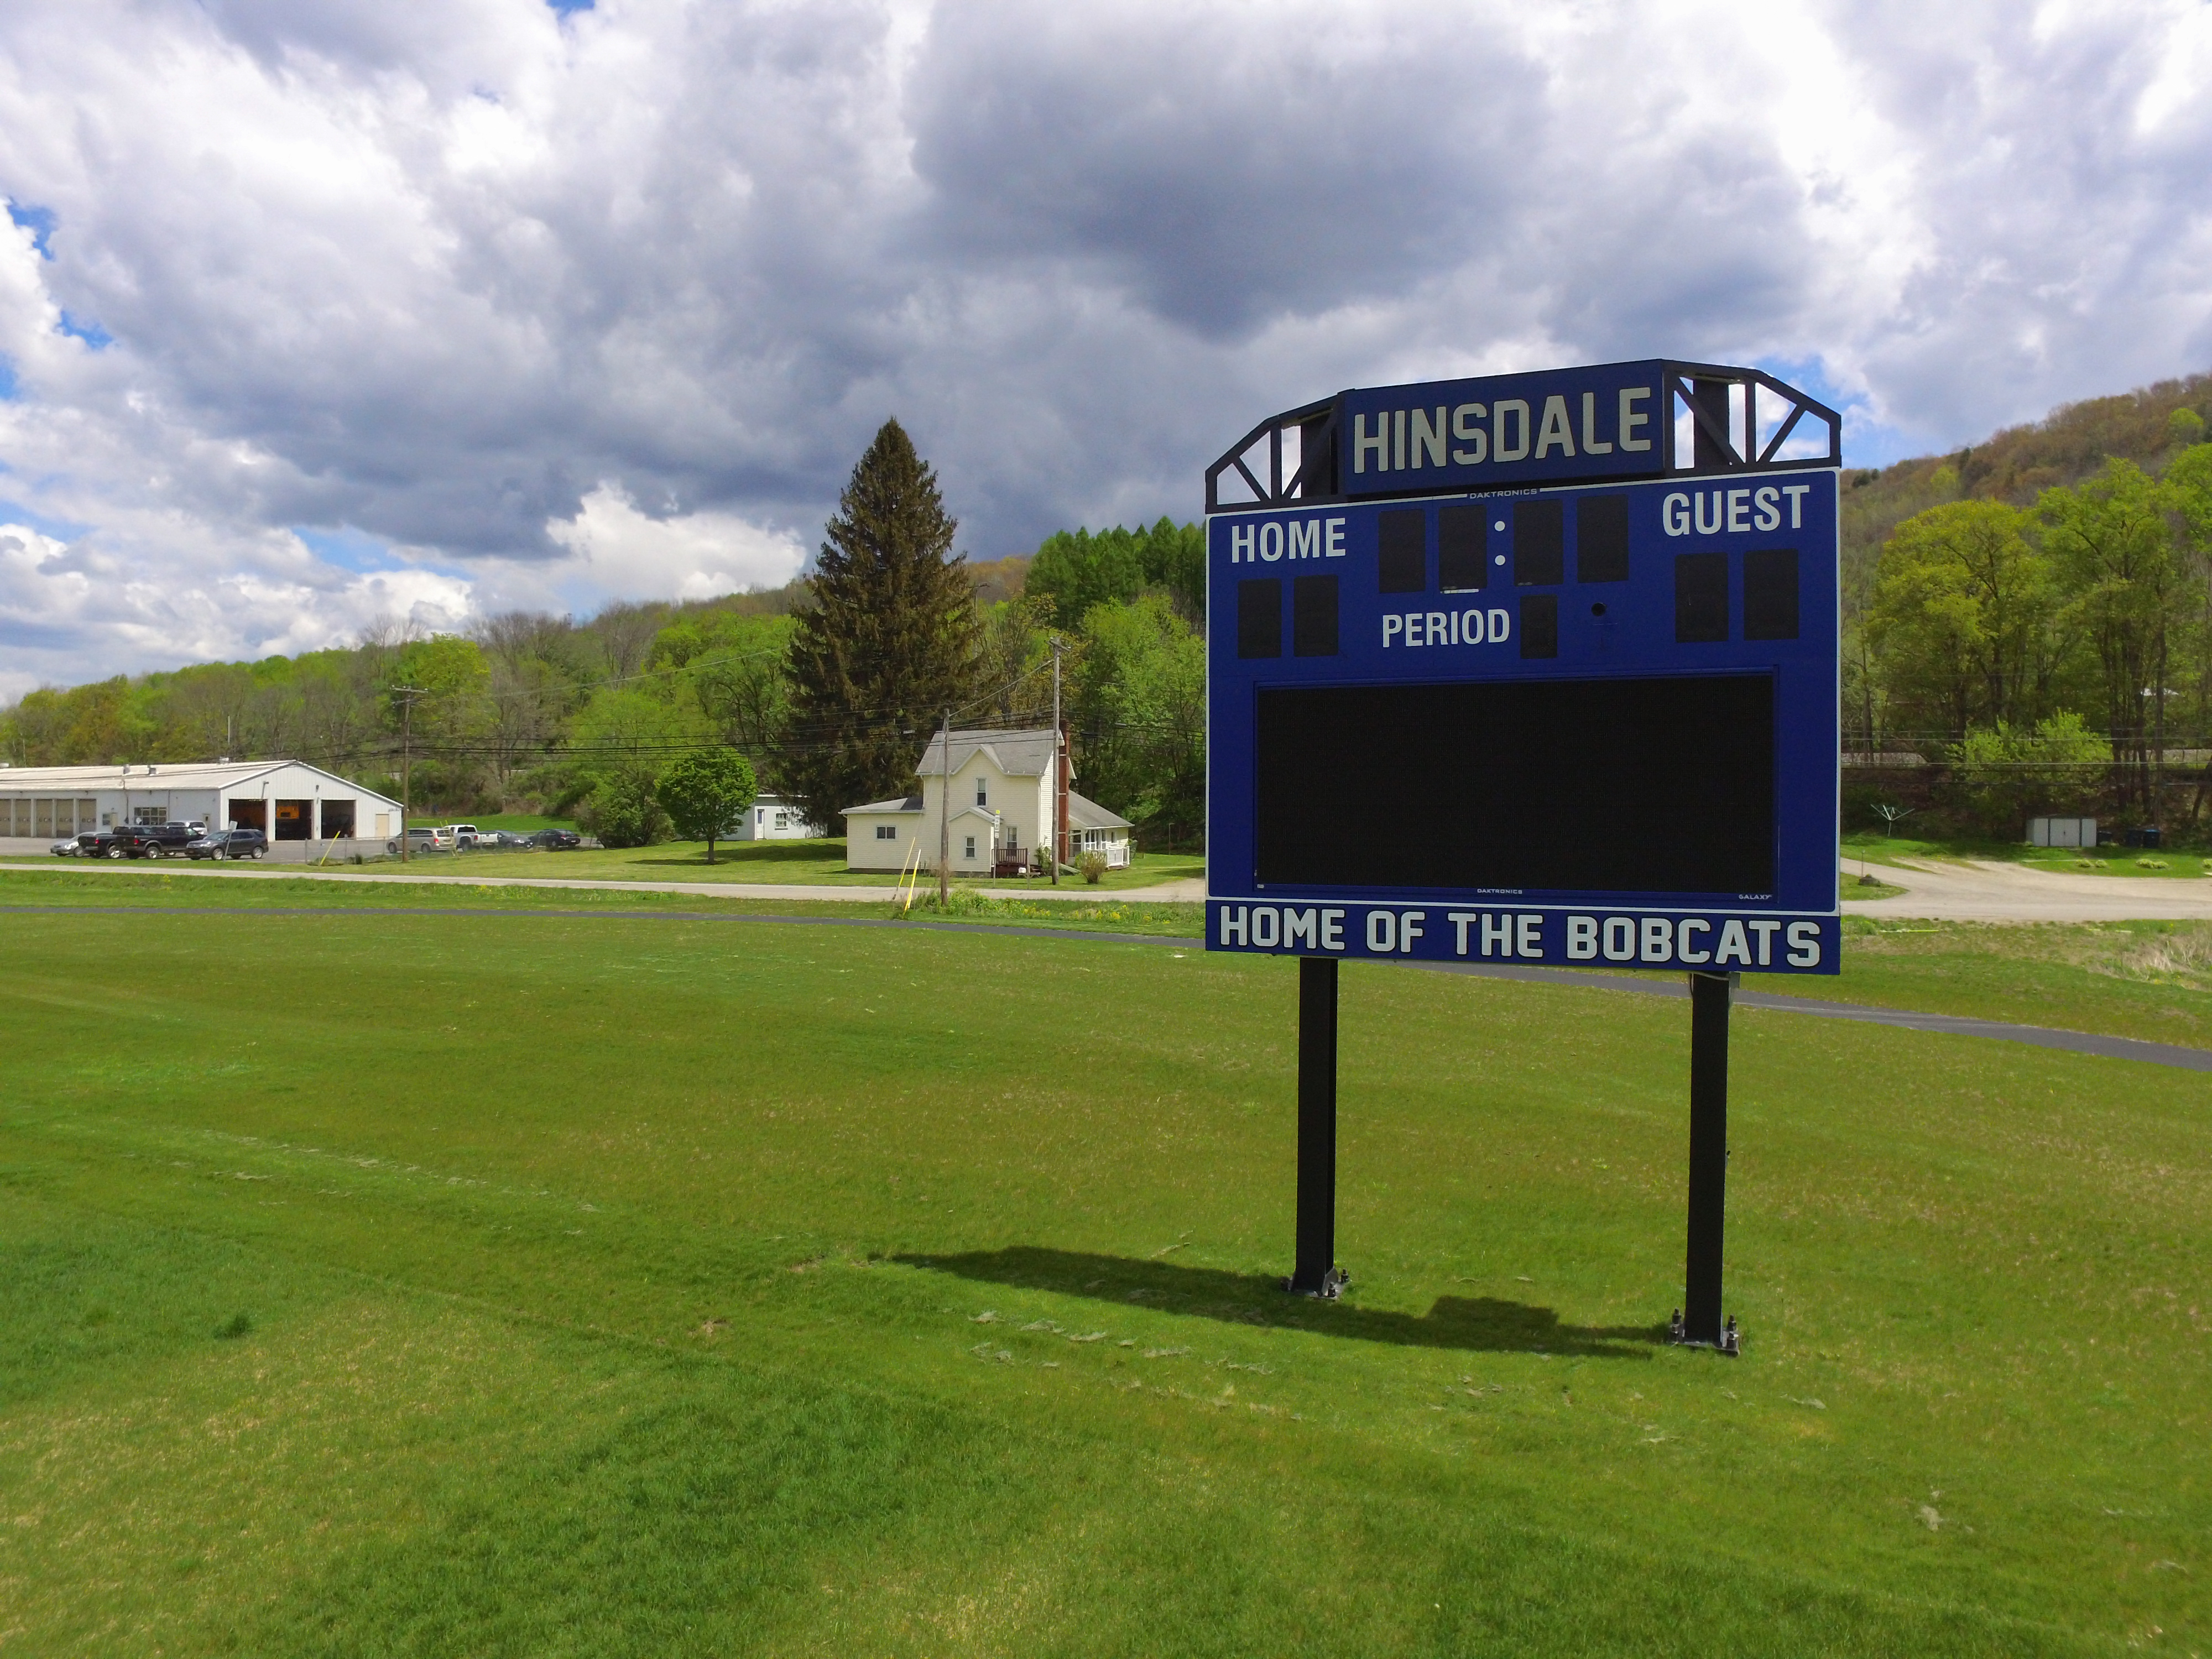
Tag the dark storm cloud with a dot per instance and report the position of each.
(1231, 167)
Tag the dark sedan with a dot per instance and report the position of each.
(229, 844)
(556, 841)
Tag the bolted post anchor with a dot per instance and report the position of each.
(1731, 1342)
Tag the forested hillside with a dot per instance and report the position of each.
(2031, 616)
(529, 712)
(2028, 621)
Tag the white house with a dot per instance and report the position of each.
(772, 819)
(1001, 809)
(290, 800)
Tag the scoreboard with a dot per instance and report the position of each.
(1584, 725)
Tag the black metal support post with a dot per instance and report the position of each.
(1316, 1273)
(1709, 1041)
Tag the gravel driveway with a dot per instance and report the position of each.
(1974, 890)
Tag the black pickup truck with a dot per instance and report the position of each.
(143, 840)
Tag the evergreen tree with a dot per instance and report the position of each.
(891, 641)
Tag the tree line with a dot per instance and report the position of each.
(2051, 653)
(829, 687)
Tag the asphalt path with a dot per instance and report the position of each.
(1943, 890)
(2076, 1042)
(1656, 984)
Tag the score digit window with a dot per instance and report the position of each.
(1644, 784)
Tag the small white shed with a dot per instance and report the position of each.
(2061, 832)
(772, 819)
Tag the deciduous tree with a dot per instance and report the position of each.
(1962, 618)
(706, 792)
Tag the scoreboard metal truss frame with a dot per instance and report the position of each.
(1704, 391)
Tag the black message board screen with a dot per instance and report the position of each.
(1644, 785)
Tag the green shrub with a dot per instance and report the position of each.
(2004, 775)
(623, 812)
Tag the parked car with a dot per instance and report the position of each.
(79, 846)
(229, 844)
(556, 841)
(422, 839)
(145, 840)
(502, 838)
(465, 835)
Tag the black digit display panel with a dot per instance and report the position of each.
(1645, 785)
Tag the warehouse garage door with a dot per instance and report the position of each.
(337, 819)
(296, 820)
(250, 815)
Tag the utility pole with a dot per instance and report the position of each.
(944, 814)
(406, 694)
(1058, 761)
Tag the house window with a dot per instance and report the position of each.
(981, 793)
(887, 832)
(971, 852)
(783, 820)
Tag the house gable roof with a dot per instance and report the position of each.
(1016, 754)
(1084, 814)
(908, 804)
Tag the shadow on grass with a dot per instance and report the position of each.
(1477, 1323)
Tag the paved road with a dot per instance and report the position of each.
(1167, 892)
(1979, 890)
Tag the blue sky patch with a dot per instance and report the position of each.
(350, 548)
(91, 333)
(62, 530)
(1867, 442)
(565, 7)
(40, 221)
(7, 381)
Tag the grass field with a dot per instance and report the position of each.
(814, 862)
(501, 1282)
(2193, 862)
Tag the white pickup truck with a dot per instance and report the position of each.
(462, 836)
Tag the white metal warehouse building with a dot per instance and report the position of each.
(288, 801)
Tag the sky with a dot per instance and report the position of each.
(314, 318)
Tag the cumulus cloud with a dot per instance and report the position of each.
(618, 551)
(549, 307)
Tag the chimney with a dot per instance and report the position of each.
(1059, 795)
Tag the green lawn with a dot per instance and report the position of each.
(2170, 861)
(813, 862)
(2139, 979)
(59, 884)
(509, 1283)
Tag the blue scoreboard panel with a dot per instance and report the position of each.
(1590, 726)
